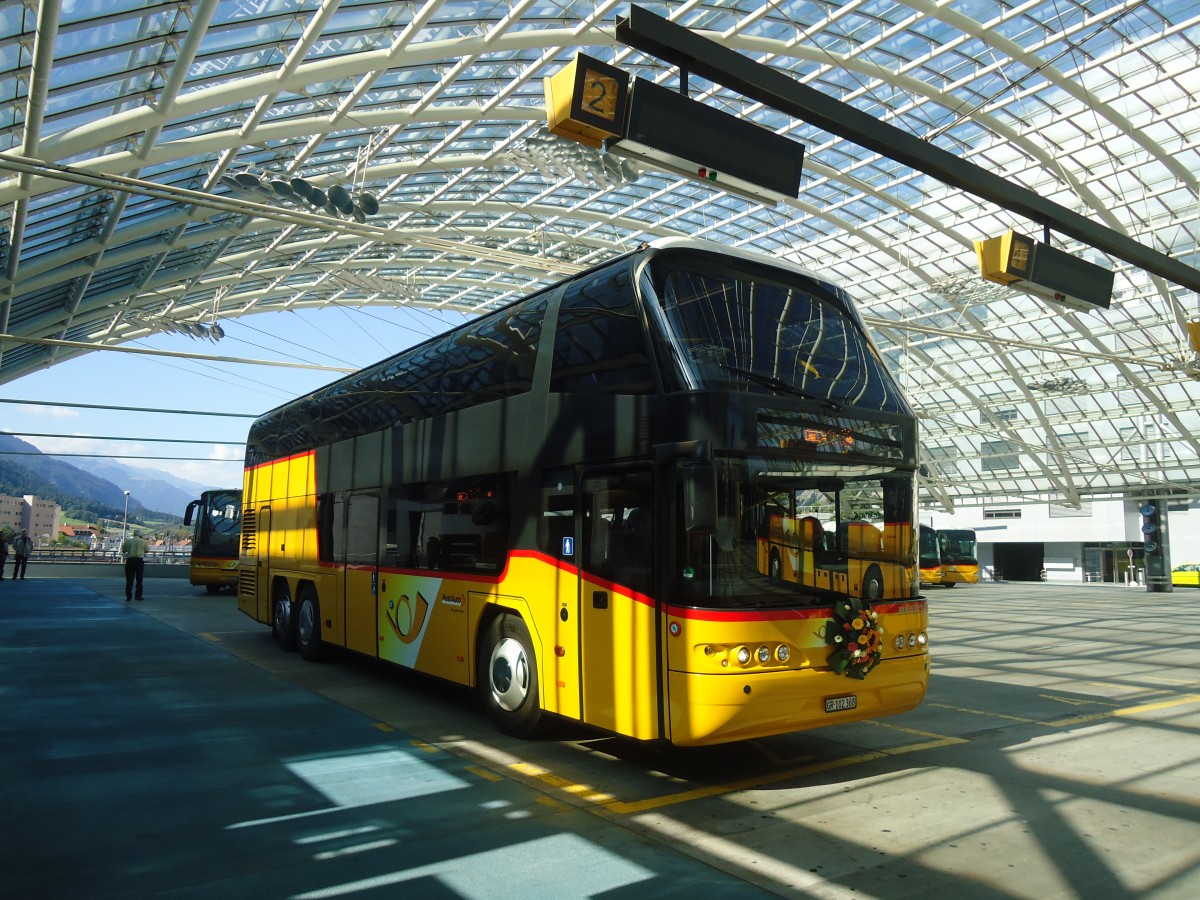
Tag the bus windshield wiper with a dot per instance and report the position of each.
(778, 384)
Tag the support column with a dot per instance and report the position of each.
(1156, 546)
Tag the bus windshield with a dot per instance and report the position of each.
(957, 547)
(218, 524)
(795, 533)
(733, 326)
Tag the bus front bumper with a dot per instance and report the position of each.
(714, 709)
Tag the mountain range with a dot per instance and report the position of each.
(100, 488)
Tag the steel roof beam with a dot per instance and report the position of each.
(679, 46)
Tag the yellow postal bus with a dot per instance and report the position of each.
(563, 503)
(216, 522)
(959, 556)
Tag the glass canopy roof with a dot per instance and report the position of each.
(126, 126)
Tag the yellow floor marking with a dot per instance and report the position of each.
(913, 731)
(485, 774)
(621, 807)
(209, 636)
(985, 712)
(1169, 680)
(384, 726)
(428, 748)
(1128, 711)
(1074, 701)
(548, 778)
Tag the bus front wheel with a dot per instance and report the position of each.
(508, 680)
(776, 568)
(283, 622)
(308, 624)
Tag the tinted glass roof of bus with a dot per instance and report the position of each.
(435, 111)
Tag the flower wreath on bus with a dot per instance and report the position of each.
(856, 637)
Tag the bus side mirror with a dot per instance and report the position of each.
(699, 498)
(191, 507)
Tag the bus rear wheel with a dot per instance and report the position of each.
(283, 621)
(508, 682)
(308, 624)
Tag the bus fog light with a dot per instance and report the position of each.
(783, 653)
(743, 656)
(764, 655)
(922, 639)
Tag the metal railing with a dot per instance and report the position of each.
(80, 555)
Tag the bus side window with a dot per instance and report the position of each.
(600, 342)
(329, 528)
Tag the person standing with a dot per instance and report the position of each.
(3, 553)
(134, 551)
(22, 546)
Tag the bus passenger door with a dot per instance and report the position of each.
(617, 612)
(256, 546)
(360, 587)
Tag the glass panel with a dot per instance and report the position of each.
(618, 529)
(794, 533)
(219, 526)
(460, 526)
(362, 529)
(556, 524)
(957, 547)
(600, 340)
(744, 327)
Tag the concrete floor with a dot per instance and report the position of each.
(170, 749)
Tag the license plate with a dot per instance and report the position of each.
(840, 704)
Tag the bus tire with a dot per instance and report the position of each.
(283, 617)
(213, 588)
(508, 682)
(949, 584)
(775, 568)
(308, 624)
(872, 585)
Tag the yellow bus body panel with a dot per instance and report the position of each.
(963, 574)
(709, 690)
(620, 687)
(205, 570)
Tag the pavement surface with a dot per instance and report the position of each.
(170, 749)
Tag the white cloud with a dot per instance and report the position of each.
(50, 412)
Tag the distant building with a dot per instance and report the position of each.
(32, 514)
(11, 511)
(79, 534)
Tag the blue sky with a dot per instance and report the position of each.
(330, 336)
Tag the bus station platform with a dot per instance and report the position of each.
(169, 748)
